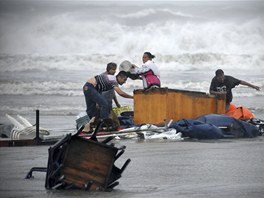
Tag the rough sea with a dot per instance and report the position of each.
(48, 49)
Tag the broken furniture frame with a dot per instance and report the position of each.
(78, 163)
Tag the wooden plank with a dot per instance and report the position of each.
(12, 143)
(79, 179)
(7, 142)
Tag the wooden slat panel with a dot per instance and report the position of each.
(73, 176)
(150, 105)
(87, 160)
(158, 104)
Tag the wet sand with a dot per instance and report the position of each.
(161, 168)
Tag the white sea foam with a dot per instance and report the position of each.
(47, 110)
(98, 30)
(41, 88)
(75, 88)
(48, 49)
(179, 62)
(151, 13)
(78, 35)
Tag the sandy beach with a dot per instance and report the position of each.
(161, 168)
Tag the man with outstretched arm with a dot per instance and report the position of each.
(222, 85)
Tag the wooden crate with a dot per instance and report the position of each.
(156, 105)
(78, 163)
(88, 161)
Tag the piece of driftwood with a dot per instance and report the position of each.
(78, 163)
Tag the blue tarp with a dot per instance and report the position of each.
(215, 126)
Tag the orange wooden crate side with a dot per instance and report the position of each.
(187, 105)
(180, 108)
(202, 105)
(158, 107)
(220, 105)
(192, 106)
(171, 106)
(139, 104)
(155, 106)
(174, 105)
(149, 107)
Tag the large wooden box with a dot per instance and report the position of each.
(87, 160)
(156, 105)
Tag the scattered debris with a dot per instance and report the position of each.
(23, 129)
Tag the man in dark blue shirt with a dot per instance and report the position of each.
(223, 85)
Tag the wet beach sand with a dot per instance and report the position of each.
(160, 168)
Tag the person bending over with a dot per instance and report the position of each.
(94, 87)
(222, 85)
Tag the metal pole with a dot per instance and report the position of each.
(37, 126)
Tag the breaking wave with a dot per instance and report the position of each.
(179, 62)
(75, 88)
(167, 29)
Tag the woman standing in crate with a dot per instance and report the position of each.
(149, 72)
(93, 89)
